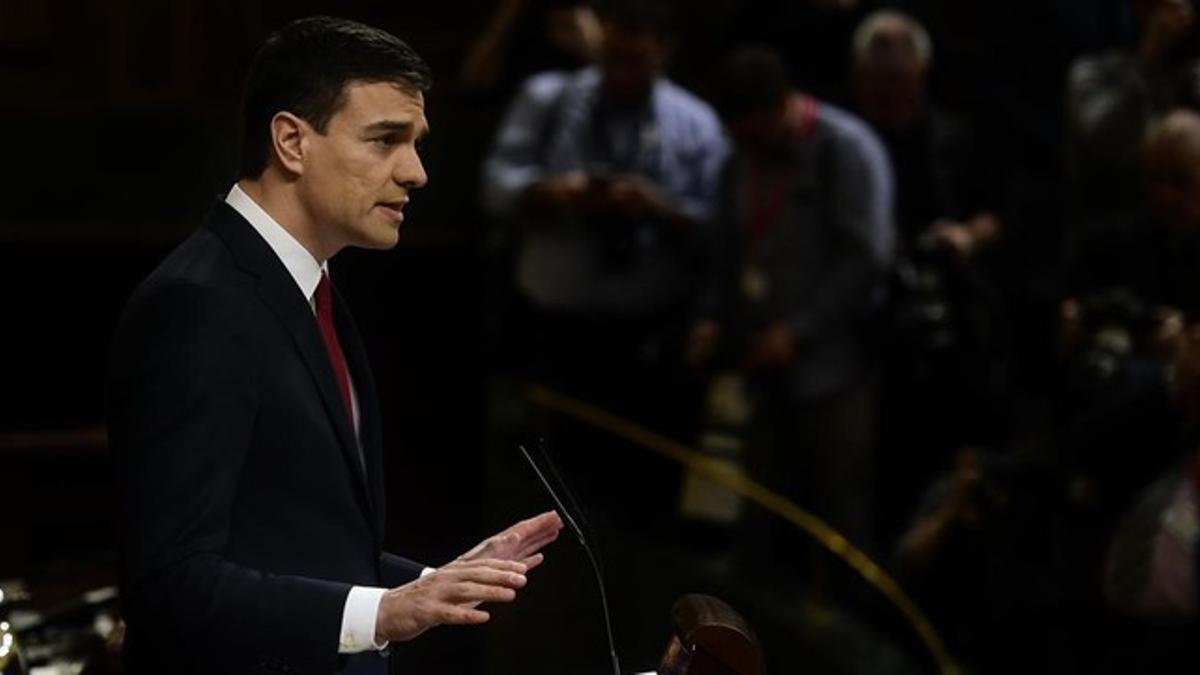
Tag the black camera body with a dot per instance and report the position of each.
(926, 323)
(1116, 325)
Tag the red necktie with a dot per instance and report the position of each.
(323, 299)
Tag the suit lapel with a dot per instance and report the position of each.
(279, 292)
(368, 403)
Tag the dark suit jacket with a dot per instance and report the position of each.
(247, 513)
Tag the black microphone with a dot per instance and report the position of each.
(612, 647)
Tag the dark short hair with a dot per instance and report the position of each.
(304, 67)
(751, 79)
(653, 15)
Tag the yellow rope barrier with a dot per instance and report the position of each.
(768, 499)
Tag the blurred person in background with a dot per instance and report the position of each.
(1155, 257)
(802, 247)
(605, 172)
(1027, 531)
(979, 557)
(1121, 426)
(519, 39)
(1079, 545)
(603, 175)
(939, 187)
(1111, 98)
(1152, 566)
(943, 334)
(1133, 291)
(1011, 545)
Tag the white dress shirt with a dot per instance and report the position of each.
(362, 604)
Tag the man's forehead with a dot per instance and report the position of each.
(372, 102)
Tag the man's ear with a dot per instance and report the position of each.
(289, 141)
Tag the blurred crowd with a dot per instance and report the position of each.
(932, 268)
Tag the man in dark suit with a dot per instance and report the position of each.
(243, 414)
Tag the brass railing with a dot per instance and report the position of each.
(771, 501)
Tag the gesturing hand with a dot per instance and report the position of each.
(449, 595)
(490, 572)
(519, 543)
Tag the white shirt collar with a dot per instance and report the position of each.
(305, 269)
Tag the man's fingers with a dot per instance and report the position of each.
(455, 614)
(453, 593)
(518, 541)
(536, 532)
(502, 565)
(545, 533)
(483, 574)
(471, 592)
(537, 526)
(534, 545)
(545, 519)
(408, 611)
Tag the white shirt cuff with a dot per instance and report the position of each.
(358, 620)
(427, 571)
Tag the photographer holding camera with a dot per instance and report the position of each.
(603, 172)
(1006, 536)
(1122, 336)
(1124, 328)
(1010, 544)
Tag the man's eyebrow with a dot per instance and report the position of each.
(395, 126)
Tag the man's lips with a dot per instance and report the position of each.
(394, 210)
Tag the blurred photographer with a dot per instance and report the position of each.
(942, 330)
(802, 246)
(1026, 538)
(1008, 546)
(1134, 288)
(1115, 397)
(1121, 419)
(940, 184)
(603, 172)
(1122, 332)
(979, 557)
(600, 176)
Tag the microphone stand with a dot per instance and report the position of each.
(612, 647)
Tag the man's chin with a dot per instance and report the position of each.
(381, 240)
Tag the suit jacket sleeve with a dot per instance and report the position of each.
(398, 571)
(182, 416)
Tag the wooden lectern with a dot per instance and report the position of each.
(710, 639)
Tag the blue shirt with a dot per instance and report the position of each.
(561, 123)
(821, 265)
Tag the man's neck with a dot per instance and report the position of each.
(279, 203)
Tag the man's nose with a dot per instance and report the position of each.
(410, 172)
